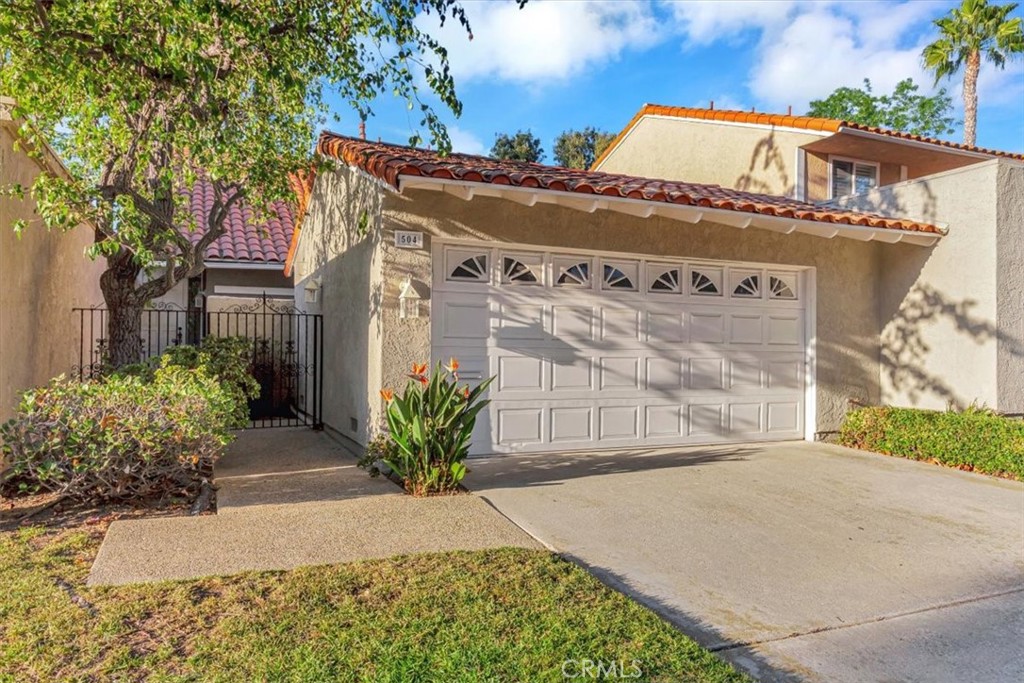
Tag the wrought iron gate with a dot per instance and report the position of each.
(286, 356)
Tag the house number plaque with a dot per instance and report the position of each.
(407, 239)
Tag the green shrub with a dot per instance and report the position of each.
(119, 438)
(430, 425)
(225, 358)
(975, 439)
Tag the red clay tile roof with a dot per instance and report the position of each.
(787, 121)
(244, 239)
(390, 162)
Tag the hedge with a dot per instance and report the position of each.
(975, 439)
(150, 430)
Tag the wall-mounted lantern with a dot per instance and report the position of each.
(408, 300)
(312, 289)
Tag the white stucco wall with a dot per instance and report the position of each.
(339, 246)
(951, 315)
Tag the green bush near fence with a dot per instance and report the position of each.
(148, 430)
(974, 439)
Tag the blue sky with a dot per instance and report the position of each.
(559, 64)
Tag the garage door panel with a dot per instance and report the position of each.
(620, 373)
(521, 321)
(707, 374)
(520, 373)
(572, 322)
(572, 373)
(665, 374)
(617, 422)
(618, 324)
(665, 327)
(746, 328)
(589, 365)
(663, 421)
(570, 425)
(707, 327)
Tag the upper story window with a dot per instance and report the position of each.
(852, 177)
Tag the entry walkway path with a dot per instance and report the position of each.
(294, 497)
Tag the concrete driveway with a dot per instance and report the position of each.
(795, 561)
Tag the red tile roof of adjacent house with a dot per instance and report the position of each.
(788, 121)
(391, 162)
(245, 239)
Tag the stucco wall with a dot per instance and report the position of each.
(951, 314)
(339, 247)
(846, 275)
(42, 277)
(1010, 286)
(744, 158)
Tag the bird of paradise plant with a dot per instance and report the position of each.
(430, 425)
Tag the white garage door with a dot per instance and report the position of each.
(598, 351)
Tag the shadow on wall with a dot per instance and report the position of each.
(908, 307)
(905, 350)
(766, 161)
(345, 216)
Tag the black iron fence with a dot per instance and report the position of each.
(286, 356)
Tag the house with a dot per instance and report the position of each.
(43, 274)
(244, 271)
(618, 310)
(950, 317)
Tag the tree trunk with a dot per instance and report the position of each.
(124, 310)
(971, 97)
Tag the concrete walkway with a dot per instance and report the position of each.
(294, 497)
(794, 561)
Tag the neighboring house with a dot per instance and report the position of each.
(43, 275)
(614, 310)
(951, 317)
(243, 266)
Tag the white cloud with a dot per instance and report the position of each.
(465, 141)
(706, 21)
(820, 50)
(544, 41)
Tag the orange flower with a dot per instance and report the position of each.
(419, 368)
(453, 365)
(423, 379)
(465, 392)
(387, 395)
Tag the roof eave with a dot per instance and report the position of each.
(644, 208)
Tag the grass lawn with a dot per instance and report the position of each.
(502, 615)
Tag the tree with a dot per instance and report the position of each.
(141, 99)
(970, 30)
(522, 146)
(579, 148)
(903, 110)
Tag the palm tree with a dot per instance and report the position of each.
(973, 28)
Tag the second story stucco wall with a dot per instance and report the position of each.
(750, 158)
(951, 320)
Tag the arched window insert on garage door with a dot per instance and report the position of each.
(522, 269)
(664, 280)
(573, 274)
(620, 276)
(472, 268)
(706, 281)
(782, 286)
(747, 285)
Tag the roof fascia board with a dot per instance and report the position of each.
(741, 124)
(235, 264)
(684, 212)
